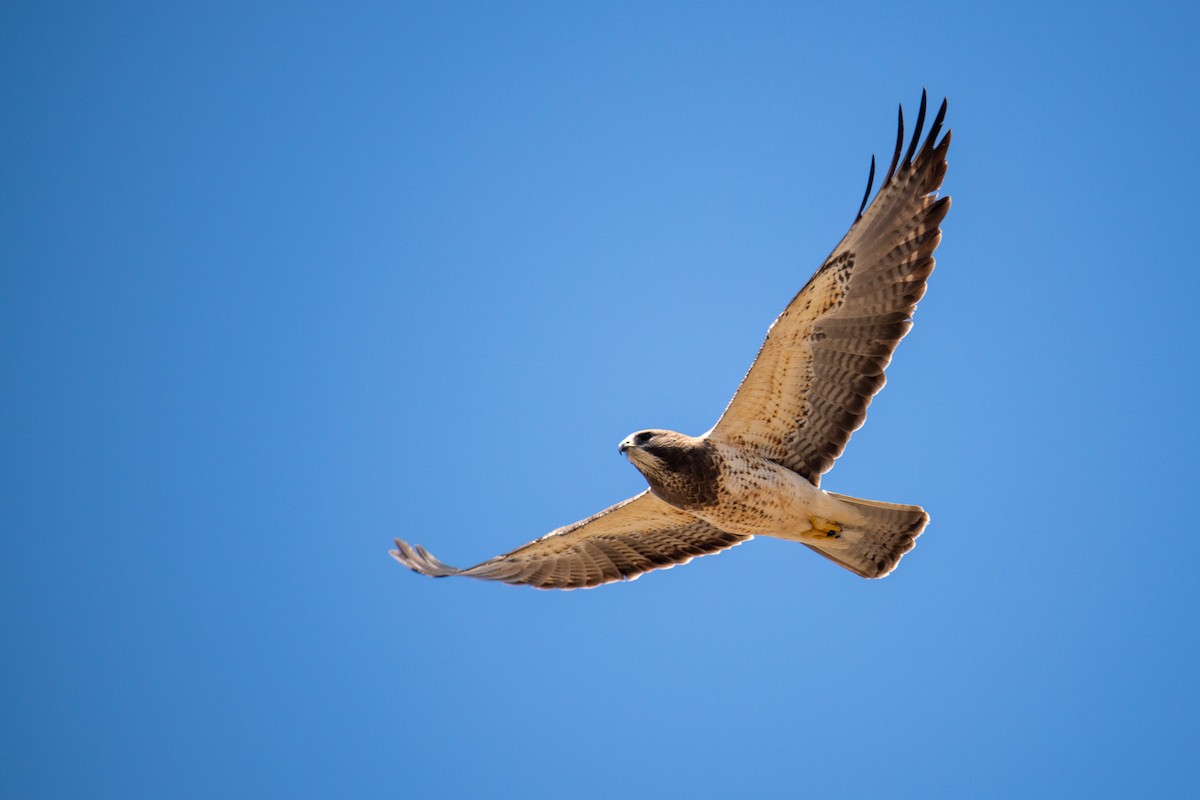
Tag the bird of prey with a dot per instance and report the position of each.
(757, 472)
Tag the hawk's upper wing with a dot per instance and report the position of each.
(620, 543)
(824, 357)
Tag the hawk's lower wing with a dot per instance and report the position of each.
(620, 543)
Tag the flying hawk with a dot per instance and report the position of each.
(758, 471)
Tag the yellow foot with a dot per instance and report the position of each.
(824, 528)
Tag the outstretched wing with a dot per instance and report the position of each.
(620, 543)
(824, 357)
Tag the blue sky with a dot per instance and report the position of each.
(282, 281)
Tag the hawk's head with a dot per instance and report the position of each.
(682, 470)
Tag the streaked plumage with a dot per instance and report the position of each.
(758, 470)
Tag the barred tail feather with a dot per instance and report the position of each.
(872, 548)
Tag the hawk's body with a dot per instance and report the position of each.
(758, 471)
(738, 491)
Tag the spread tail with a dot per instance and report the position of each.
(872, 546)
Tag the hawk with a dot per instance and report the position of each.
(758, 471)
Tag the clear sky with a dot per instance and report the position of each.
(281, 281)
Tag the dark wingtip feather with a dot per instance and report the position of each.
(896, 155)
(912, 147)
(867, 193)
(936, 128)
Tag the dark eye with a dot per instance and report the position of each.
(642, 438)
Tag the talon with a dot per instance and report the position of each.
(826, 526)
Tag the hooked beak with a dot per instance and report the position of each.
(626, 445)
